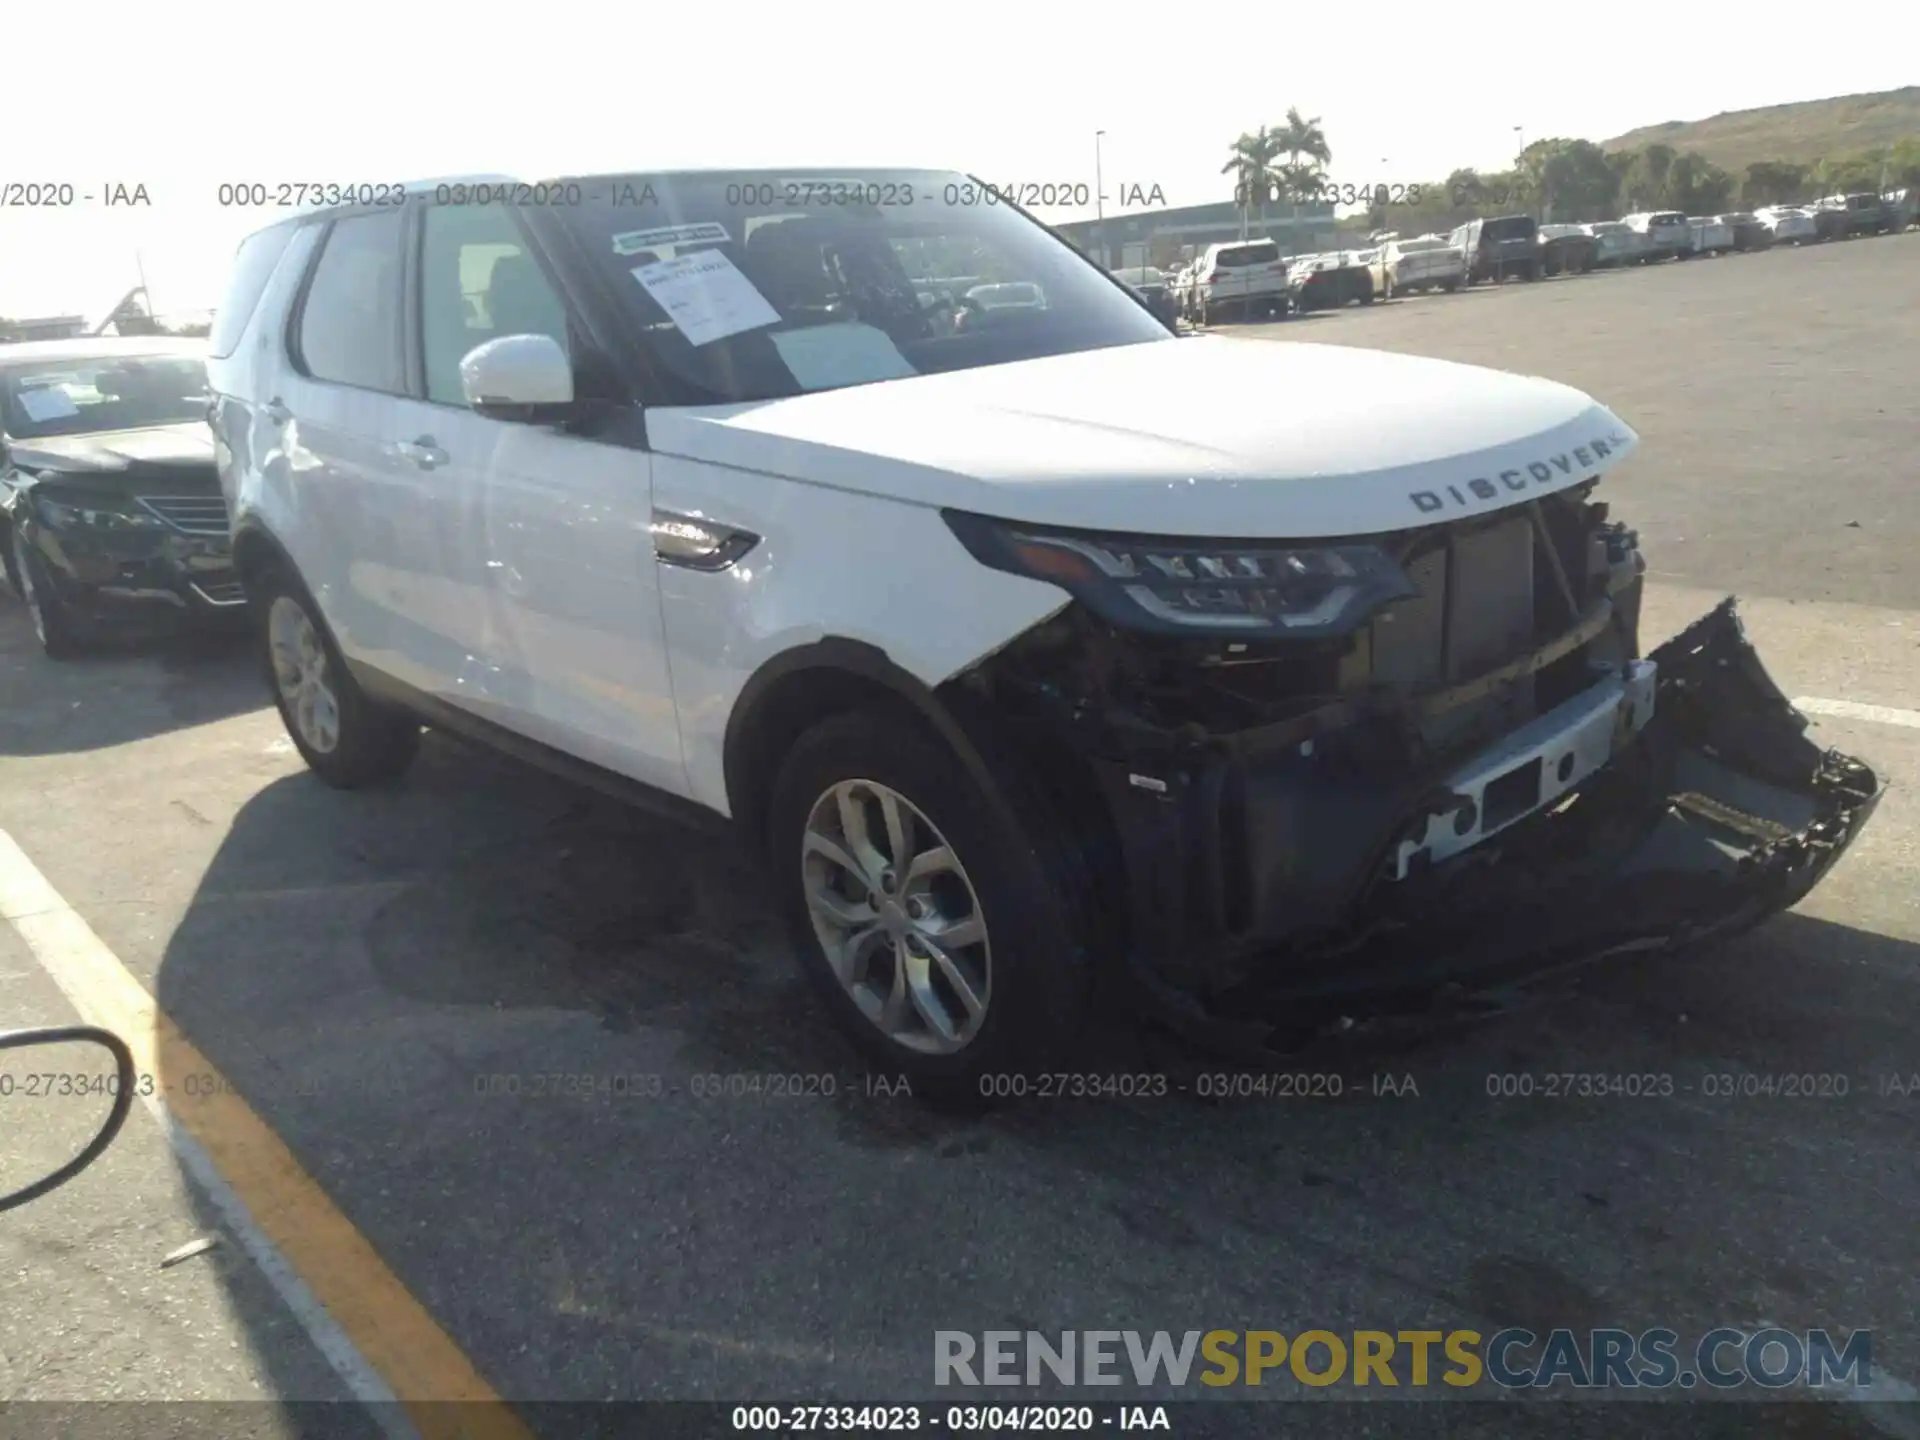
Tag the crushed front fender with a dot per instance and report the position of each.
(1719, 815)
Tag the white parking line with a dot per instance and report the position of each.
(1854, 710)
(376, 1336)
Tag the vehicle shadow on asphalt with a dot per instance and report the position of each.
(357, 963)
(121, 689)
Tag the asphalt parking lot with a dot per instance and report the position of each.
(359, 966)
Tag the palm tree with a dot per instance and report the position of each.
(1250, 162)
(1304, 143)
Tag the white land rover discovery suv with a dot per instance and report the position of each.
(1039, 650)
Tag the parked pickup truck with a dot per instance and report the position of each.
(1867, 214)
(1240, 281)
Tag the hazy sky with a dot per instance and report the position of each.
(182, 97)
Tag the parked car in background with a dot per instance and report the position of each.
(1749, 232)
(1328, 282)
(1710, 236)
(1665, 235)
(1789, 224)
(1830, 218)
(1499, 247)
(110, 506)
(1616, 243)
(1567, 250)
(1866, 213)
(999, 303)
(1154, 289)
(1414, 266)
(1240, 281)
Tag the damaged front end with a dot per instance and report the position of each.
(1484, 779)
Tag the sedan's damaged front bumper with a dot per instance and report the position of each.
(1277, 887)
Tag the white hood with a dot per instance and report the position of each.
(1202, 436)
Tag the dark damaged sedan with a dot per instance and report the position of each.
(110, 506)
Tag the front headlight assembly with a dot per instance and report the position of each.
(76, 511)
(1194, 587)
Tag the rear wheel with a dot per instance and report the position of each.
(931, 923)
(346, 739)
(59, 631)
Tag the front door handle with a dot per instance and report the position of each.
(423, 452)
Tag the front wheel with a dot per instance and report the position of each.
(55, 626)
(346, 739)
(929, 919)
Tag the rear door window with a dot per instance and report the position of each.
(350, 321)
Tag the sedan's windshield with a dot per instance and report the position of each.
(82, 395)
(753, 286)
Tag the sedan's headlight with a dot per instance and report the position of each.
(82, 512)
(1176, 586)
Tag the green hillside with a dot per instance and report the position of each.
(1803, 133)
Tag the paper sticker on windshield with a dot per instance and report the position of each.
(48, 404)
(705, 295)
(632, 242)
(823, 357)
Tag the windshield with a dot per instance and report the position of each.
(759, 285)
(82, 395)
(1667, 217)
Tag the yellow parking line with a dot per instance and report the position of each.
(419, 1363)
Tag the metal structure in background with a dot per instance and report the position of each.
(116, 1117)
(1099, 203)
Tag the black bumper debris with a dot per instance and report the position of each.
(1720, 814)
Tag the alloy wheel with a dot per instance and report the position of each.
(897, 917)
(300, 674)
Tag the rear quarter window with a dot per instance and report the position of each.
(253, 267)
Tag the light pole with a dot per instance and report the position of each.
(1520, 140)
(1099, 201)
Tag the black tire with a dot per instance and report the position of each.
(374, 743)
(1022, 883)
(1450, 286)
(61, 634)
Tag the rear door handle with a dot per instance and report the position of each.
(423, 452)
(276, 411)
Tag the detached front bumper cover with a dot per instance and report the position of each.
(1721, 814)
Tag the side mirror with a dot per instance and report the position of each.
(518, 377)
(122, 1092)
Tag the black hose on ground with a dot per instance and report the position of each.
(122, 1099)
